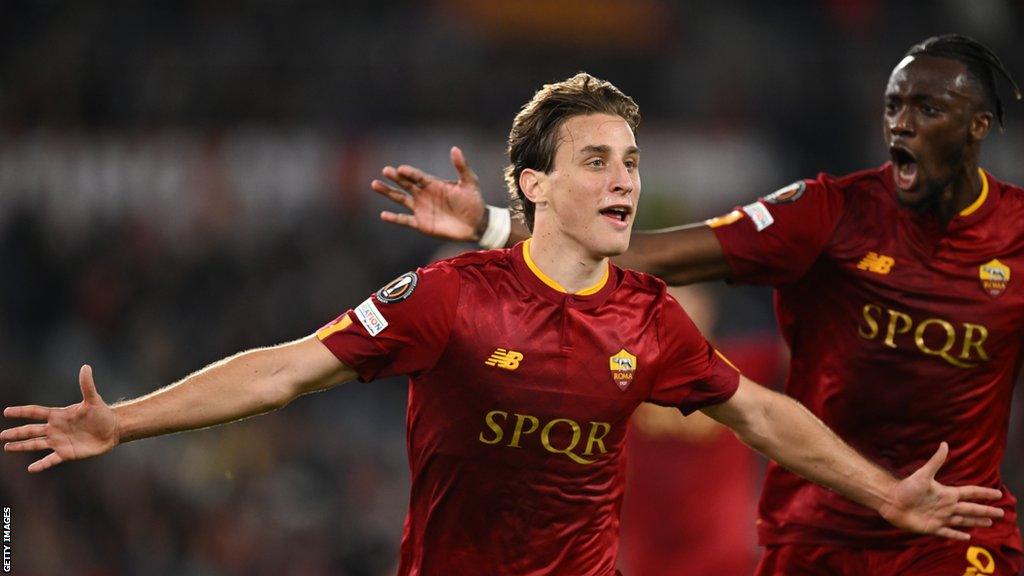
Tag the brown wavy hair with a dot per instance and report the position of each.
(534, 136)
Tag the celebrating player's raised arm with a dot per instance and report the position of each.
(455, 210)
(679, 256)
(448, 209)
(243, 385)
(785, 431)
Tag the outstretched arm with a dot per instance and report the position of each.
(455, 210)
(782, 429)
(448, 209)
(679, 256)
(243, 385)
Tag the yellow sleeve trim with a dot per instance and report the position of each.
(326, 331)
(724, 220)
(727, 361)
(981, 197)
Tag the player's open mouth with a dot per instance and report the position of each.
(904, 167)
(620, 213)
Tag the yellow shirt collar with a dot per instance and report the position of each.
(981, 197)
(554, 284)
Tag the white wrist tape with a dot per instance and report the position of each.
(499, 228)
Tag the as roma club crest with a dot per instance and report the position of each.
(623, 367)
(994, 277)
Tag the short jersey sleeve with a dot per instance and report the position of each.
(403, 328)
(691, 373)
(776, 239)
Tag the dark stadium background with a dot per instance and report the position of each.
(183, 180)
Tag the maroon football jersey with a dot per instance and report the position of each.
(519, 400)
(903, 334)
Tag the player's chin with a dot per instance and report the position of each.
(911, 198)
(614, 245)
(917, 197)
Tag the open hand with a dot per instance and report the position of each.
(447, 209)
(81, 430)
(920, 504)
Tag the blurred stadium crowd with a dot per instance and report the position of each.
(183, 180)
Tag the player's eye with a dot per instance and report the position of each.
(596, 162)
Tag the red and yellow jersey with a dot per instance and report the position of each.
(519, 400)
(903, 334)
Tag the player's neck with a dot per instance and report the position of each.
(961, 193)
(566, 262)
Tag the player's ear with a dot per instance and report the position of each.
(533, 183)
(980, 124)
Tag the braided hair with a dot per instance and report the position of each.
(982, 64)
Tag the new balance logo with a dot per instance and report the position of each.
(877, 263)
(507, 359)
